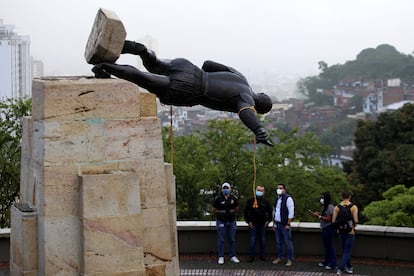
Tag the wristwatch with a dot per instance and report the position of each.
(320, 216)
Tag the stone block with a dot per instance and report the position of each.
(66, 142)
(57, 190)
(24, 246)
(106, 39)
(80, 98)
(148, 104)
(107, 195)
(156, 235)
(170, 182)
(137, 139)
(59, 245)
(111, 244)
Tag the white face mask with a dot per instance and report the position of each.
(322, 201)
(279, 191)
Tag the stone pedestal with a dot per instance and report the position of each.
(92, 169)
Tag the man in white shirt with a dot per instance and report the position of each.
(283, 216)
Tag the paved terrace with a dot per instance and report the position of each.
(379, 250)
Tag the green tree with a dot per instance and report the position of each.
(338, 135)
(384, 153)
(11, 113)
(296, 161)
(396, 209)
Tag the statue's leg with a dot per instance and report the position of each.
(149, 58)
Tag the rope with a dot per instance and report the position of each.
(171, 138)
(255, 205)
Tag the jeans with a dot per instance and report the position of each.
(327, 238)
(283, 237)
(347, 241)
(257, 233)
(226, 229)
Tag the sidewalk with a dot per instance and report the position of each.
(207, 265)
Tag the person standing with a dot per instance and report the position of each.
(225, 208)
(258, 215)
(325, 218)
(350, 211)
(283, 216)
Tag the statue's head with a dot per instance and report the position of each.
(263, 103)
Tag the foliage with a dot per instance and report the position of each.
(11, 113)
(224, 153)
(382, 62)
(396, 209)
(384, 154)
(338, 135)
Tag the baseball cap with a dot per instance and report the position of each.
(225, 184)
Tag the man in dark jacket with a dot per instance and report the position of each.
(179, 82)
(225, 207)
(258, 215)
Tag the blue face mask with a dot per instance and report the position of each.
(226, 191)
(259, 193)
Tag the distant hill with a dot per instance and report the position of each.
(379, 63)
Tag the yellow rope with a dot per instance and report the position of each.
(255, 205)
(171, 139)
(246, 107)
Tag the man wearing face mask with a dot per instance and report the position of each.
(225, 208)
(258, 215)
(283, 216)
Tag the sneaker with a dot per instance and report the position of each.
(339, 272)
(328, 267)
(235, 260)
(321, 264)
(349, 270)
(288, 263)
(250, 259)
(221, 260)
(276, 261)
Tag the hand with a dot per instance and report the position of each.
(262, 137)
(250, 225)
(315, 214)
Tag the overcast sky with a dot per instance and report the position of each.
(259, 37)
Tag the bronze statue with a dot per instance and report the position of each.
(179, 82)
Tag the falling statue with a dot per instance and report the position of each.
(178, 82)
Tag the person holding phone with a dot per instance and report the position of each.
(328, 231)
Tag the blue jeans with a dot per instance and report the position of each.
(347, 241)
(327, 238)
(257, 233)
(283, 237)
(226, 229)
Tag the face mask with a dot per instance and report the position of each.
(259, 193)
(279, 191)
(322, 201)
(226, 191)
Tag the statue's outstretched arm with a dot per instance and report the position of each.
(248, 116)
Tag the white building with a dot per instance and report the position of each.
(15, 68)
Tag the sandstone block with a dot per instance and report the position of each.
(111, 244)
(24, 246)
(59, 245)
(106, 39)
(108, 195)
(80, 98)
(156, 235)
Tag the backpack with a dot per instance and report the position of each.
(344, 220)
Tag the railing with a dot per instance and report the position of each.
(374, 242)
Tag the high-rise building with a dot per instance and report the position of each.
(15, 67)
